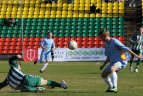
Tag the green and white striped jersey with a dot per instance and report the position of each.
(137, 42)
(15, 76)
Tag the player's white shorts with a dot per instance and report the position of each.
(120, 65)
(45, 55)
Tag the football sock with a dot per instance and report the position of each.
(114, 79)
(108, 82)
(138, 63)
(131, 61)
(44, 66)
(53, 83)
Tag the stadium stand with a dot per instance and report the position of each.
(66, 21)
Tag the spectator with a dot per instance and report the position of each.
(94, 10)
(8, 22)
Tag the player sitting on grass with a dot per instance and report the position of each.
(17, 80)
(115, 52)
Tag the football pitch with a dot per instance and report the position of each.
(83, 79)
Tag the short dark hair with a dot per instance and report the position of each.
(104, 32)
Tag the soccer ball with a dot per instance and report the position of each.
(72, 45)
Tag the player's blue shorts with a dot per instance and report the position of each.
(120, 65)
(45, 55)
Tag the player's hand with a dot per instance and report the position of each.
(101, 67)
(140, 57)
(19, 56)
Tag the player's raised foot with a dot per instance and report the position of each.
(131, 68)
(40, 90)
(35, 62)
(136, 70)
(41, 71)
(63, 84)
(112, 90)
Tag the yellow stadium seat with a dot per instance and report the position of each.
(81, 15)
(58, 12)
(30, 12)
(18, 16)
(24, 16)
(76, 1)
(16, 2)
(13, 12)
(32, 2)
(2, 16)
(104, 15)
(10, 2)
(115, 11)
(8, 12)
(54, 5)
(41, 16)
(48, 5)
(52, 16)
(58, 15)
(75, 15)
(53, 12)
(7, 16)
(87, 8)
(82, 4)
(98, 15)
(121, 11)
(47, 12)
(31, 9)
(64, 12)
(104, 4)
(30, 15)
(109, 15)
(82, 1)
(115, 7)
(87, 5)
(104, 10)
(75, 8)
(87, 1)
(75, 4)
(59, 4)
(92, 15)
(13, 16)
(36, 16)
(26, 8)
(46, 16)
(86, 15)
(36, 12)
(4, 2)
(69, 15)
(109, 11)
(38, 1)
(19, 12)
(99, 4)
(121, 6)
(93, 1)
(43, 5)
(81, 8)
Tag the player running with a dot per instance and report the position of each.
(115, 52)
(137, 47)
(17, 80)
(47, 45)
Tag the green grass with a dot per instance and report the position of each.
(83, 79)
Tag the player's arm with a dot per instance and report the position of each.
(42, 45)
(123, 48)
(137, 56)
(104, 64)
(3, 84)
